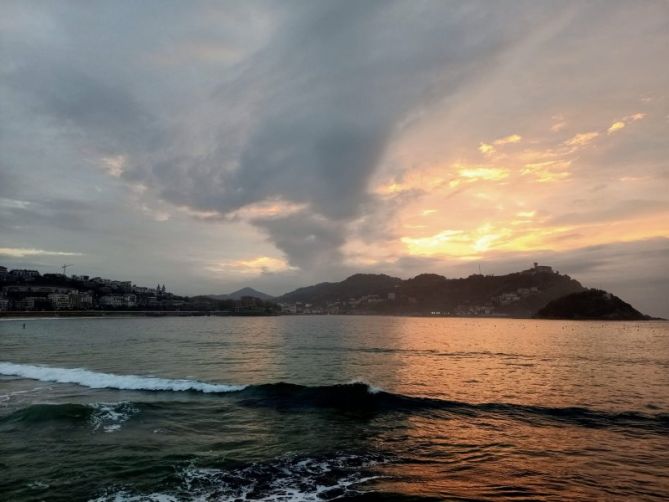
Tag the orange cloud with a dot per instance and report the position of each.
(582, 138)
(616, 126)
(513, 138)
(485, 148)
(548, 171)
(483, 173)
(252, 266)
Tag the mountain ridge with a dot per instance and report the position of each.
(240, 293)
(515, 294)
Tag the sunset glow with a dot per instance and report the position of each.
(424, 148)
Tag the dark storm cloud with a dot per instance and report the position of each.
(317, 104)
(106, 114)
(308, 241)
(341, 76)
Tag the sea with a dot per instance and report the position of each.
(311, 408)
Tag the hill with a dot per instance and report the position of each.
(240, 293)
(355, 286)
(517, 294)
(591, 304)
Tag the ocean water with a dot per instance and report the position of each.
(333, 408)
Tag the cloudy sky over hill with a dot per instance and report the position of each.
(211, 145)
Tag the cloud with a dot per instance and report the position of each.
(483, 173)
(309, 241)
(486, 148)
(313, 112)
(582, 139)
(617, 211)
(317, 133)
(620, 124)
(616, 126)
(513, 138)
(252, 266)
(114, 165)
(23, 252)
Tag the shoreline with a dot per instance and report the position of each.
(128, 314)
(79, 314)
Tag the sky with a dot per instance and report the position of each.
(215, 145)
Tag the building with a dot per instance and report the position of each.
(42, 290)
(24, 274)
(59, 301)
(4, 304)
(542, 268)
(113, 301)
(130, 301)
(507, 298)
(81, 300)
(118, 301)
(27, 303)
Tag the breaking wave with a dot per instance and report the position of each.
(96, 380)
(356, 397)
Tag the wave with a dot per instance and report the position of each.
(108, 417)
(96, 380)
(357, 397)
(341, 476)
(362, 398)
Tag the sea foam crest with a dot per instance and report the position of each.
(284, 479)
(111, 416)
(96, 380)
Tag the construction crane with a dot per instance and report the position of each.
(64, 267)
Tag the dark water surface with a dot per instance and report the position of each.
(333, 408)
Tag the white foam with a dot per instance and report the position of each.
(292, 480)
(314, 477)
(124, 496)
(370, 388)
(111, 416)
(96, 380)
(5, 398)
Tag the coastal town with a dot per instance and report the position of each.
(23, 290)
(28, 290)
(518, 294)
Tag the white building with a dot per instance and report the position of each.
(59, 301)
(111, 301)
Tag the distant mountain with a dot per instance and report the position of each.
(516, 294)
(355, 286)
(237, 295)
(591, 304)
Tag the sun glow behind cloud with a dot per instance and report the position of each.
(252, 266)
(427, 149)
(503, 201)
